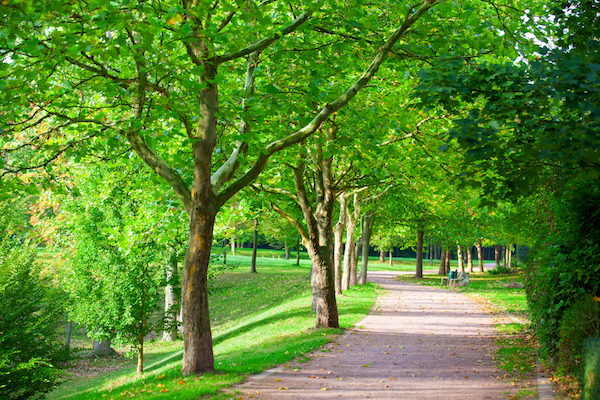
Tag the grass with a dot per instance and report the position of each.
(254, 328)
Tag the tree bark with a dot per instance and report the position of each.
(298, 252)
(497, 255)
(232, 245)
(419, 271)
(391, 253)
(461, 265)
(479, 255)
(287, 251)
(367, 228)
(68, 334)
(171, 309)
(340, 226)
(349, 249)
(448, 257)
(254, 247)
(382, 255)
(470, 258)
(442, 268)
(140, 347)
(102, 348)
(354, 261)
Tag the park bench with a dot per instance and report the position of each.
(456, 279)
(461, 280)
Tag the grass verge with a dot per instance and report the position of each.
(260, 320)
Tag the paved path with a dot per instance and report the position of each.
(418, 343)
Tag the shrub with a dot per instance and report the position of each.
(29, 352)
(580, 321)
(564, 265)
(591, 369)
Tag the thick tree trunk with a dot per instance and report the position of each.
(367, 228)
(448, 257)
(254, 247)
(381, 255)
(391, 253)
(442, 268)
(419, 271)
(461, 265)
(287, 251)
(102, 348)
(470, 258)
(497, 255)
(340, 226)
(232, 245)
(479, 255)
(171, 309)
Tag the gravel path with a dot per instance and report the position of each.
(418, 342)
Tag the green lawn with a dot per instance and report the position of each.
(259, 320)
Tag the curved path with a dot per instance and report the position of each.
(418, 342)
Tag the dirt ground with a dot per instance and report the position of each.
(418, 342)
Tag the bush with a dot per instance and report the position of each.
(564, 265)
(580, 321)
(591, 369)
(501, 269)
(28, 324)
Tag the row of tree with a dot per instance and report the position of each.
(305, 105)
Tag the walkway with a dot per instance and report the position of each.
(418, 342)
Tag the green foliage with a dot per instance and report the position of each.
(31, 314)
(579, 322)
(564, 265)
(500, 270)
(591, 369)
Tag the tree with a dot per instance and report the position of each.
(115, 266)
(29, 322)
(110, 77)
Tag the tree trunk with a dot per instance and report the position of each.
(448, 257)
(233, 245)
(381, 255)
(349, 249)
(497, 255)
(431, 251)
(367, 228)
(470, 258)
(254, 247)
(102, 348)
(442, 268)
(340, 226)
(391, 253)
(298, 252)
(171, 309)
(140, 355)
(461, 265)
(354, 262)
(68, 335)
(287, 251)
(479, 255)
(419, 271)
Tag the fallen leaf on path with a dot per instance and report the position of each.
(283, 388)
